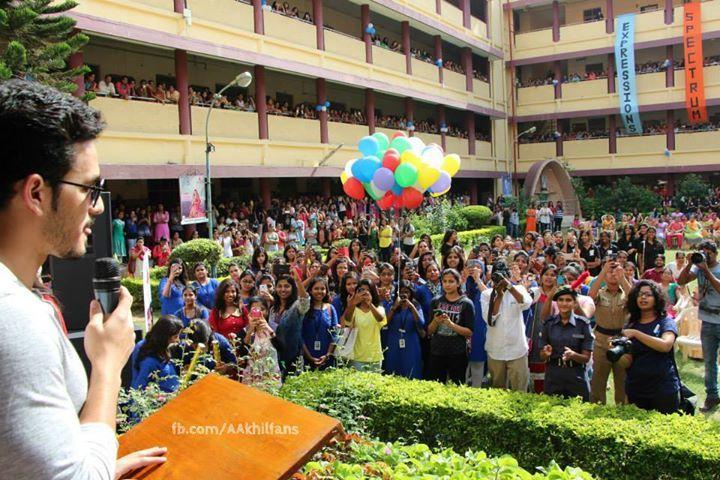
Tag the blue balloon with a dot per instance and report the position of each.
(364, 168)
(397, 189)
(318, 108)
(368, 146)
(667, 152)
(327, 104)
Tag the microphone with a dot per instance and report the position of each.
(106, 284)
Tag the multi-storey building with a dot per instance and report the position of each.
(471, 75)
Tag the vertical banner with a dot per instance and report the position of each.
(625, 67)
(192, 199)
(694, 81)
(147, 293)
(507, 184)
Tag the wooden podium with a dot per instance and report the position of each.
(220, 429)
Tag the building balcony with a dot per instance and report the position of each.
(145, 134)
(593, 95)
(224, 28)
(697, 150)
(591, 36)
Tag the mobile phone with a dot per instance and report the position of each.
(474, 262)
(263, 287)
(255, 312)
(437, 312)
(280, 269)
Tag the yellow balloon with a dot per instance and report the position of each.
(451, 164)
(427, 176)
(408, 156)
(440, 193)
(343, 177)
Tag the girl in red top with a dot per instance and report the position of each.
(228, 316)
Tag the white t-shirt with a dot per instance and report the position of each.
(506, 338)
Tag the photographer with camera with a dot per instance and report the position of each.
(566, 344)
(609, 291)
(646, 350)
(704, 267)
(506, 344)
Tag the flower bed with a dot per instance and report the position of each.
(610, 442)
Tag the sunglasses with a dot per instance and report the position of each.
(94, 191)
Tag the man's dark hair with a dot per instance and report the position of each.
(39, 127)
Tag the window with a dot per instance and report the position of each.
(281, 98)
(166, 79)
(594, 68)
(649, 8)
(592, 15)
(596, 124)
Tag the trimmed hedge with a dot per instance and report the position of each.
(476, 215)
(198, 250)
(470, 238)
(135, 287)
(609, 442)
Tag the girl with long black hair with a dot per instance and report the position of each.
(151, 360)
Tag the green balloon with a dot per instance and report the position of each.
(383, 141)
(400, 144)
(370, 192)
(406, 174)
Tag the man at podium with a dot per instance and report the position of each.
(54, 423)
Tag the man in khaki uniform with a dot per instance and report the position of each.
(609, 291)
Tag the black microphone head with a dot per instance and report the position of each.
(107, 268)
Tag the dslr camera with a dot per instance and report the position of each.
(619, 347)
(697, 257)
(498, 276)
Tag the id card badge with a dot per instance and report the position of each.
(402, 343)
(317, 346)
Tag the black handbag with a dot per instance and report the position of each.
(686, 406)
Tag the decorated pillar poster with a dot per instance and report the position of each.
(625, 67)
(694, 81)
(192, 199)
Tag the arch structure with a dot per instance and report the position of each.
(548, 180)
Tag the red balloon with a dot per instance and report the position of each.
(399, 134)
(354, 188)
(411, 198)
(397, 202)
(391, 159)
(386, 202)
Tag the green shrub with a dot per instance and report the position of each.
(609, 442)
(135, 287)
(470, 238)
(361, 459)
(198, 250)
(437, 218)
(343, 242)
(476, 215)
(224, 263)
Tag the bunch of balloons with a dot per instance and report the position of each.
(397, 172)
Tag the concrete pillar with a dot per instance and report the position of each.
(410, 113)
(76, 61)
(669, 12)
(260, 102)
(488, 31)
(442, 121)
(467, 63)
(370, 109)
(178, 6)
(670, 70)
(670, 120)
(612, 129)
(318, 18)
(609, 17)
(473, 192)
(258, 19)
(405, 30)
(183, 84)
(556, 21)
(364, 20)
(611, 73)
(326, 188)
(320, 87)
(465, 7)
(438, 7)
(559, 140)
(470, 127)
(439, 55)
(265, 194)
(558, 79)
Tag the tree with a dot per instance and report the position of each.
(692, 186)
(36, 42)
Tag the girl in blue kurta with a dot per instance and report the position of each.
(477, 357)
(171, 287)
(191, 310)
(405, 328)
(205, 286)
(150, 359)
(319, 330)
(348, 283)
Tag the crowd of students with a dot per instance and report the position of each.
(537, 312)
